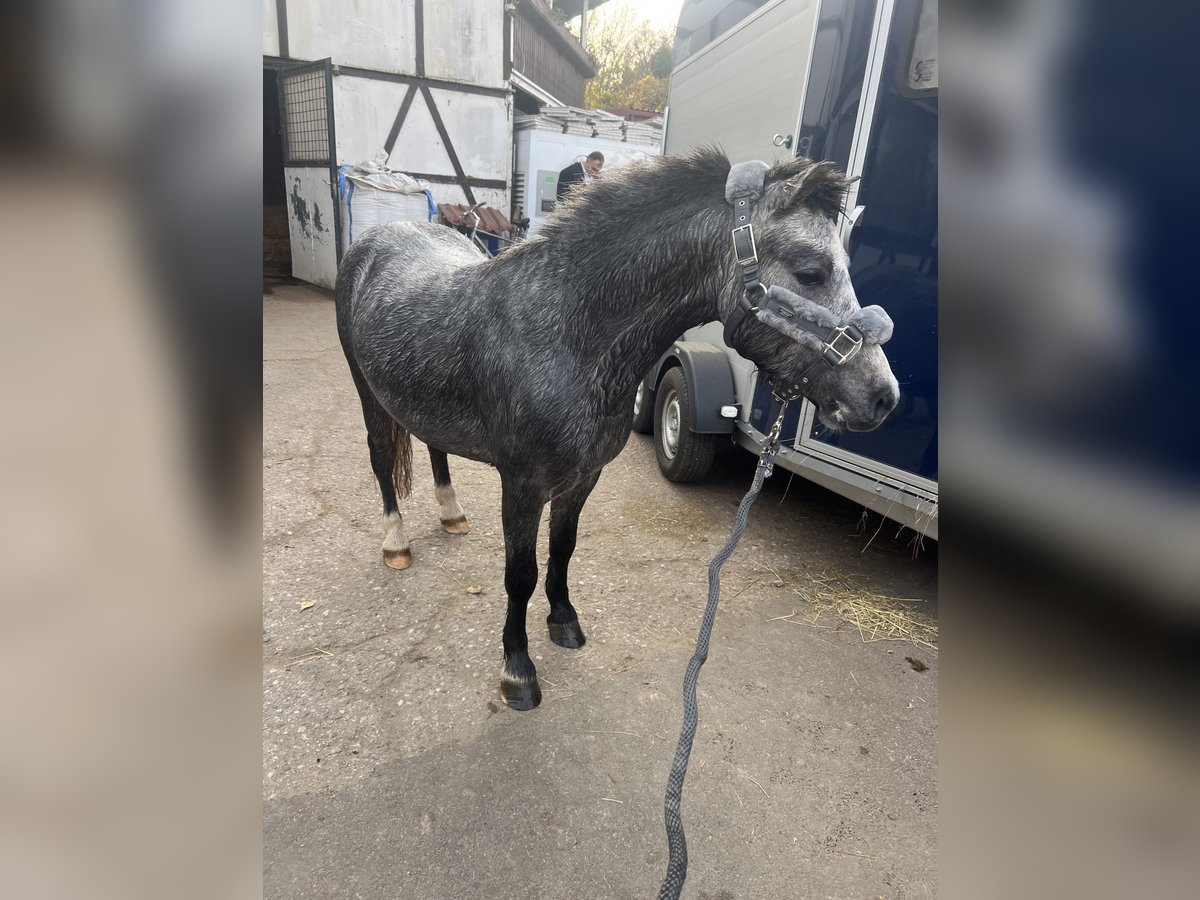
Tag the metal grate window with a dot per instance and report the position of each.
(306, 113)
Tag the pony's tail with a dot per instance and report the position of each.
(402, 464)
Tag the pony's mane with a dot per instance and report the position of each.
(646, 185)
(820, 186)
(639, 188)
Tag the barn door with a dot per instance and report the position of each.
(310, 170)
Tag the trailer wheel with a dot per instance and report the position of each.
(682, 454)
(643, 409)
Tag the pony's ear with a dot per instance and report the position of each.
(821, 187)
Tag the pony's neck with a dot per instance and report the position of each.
(651, 278)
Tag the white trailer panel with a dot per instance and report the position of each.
(746, 86)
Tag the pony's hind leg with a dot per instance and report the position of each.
(391, 460)
(387, 453)
(563, 621)
(521, 511)
(453, 519)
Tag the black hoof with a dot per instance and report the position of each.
(567, 634)
(520, 695)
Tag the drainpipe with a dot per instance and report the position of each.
(583, 25)
(510, 15)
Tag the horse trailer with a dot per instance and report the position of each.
(855, 82)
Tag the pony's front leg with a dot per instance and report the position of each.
(521, 512)
(563, 621)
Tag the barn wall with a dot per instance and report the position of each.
(372, 34)
(370, 41)
(479, 127)
(463, 41)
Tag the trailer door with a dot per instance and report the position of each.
(738, 76)
(891, 230)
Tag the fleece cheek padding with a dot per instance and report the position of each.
(875, 324)
(783, 326)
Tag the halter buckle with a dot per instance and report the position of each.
(745, 251)
(847, 340)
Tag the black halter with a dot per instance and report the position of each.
(839, 342)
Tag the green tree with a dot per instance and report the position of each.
(633, 60)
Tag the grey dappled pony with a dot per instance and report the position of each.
(530, 361)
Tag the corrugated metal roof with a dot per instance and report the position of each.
(574, 7)
(492, 220)
(592, 123)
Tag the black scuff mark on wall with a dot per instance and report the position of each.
(316, 219)
(300, 208)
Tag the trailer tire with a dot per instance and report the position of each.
(682, 454)
(643, 409)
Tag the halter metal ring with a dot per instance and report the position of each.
(760, 286)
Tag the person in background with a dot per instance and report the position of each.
(579, 172)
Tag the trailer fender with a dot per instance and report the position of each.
(710, 382)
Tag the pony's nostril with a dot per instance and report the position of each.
(885, 402)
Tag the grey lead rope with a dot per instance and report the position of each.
(676, 842)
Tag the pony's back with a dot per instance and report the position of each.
(400, 257)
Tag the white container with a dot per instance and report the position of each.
(371, 194)
(550, 141)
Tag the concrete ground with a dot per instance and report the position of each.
(392, 771)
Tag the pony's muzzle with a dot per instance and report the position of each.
(885, 402)
(877, 408)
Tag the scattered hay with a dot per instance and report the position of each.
(921, 528)
(876, 616)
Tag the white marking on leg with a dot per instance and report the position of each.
(444, 493)
(394, 538)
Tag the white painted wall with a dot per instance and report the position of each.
(464, 40)
(452, 193)
(270, 29)
(480, 127)
(372, 34)
(553, 151)
(311, 225)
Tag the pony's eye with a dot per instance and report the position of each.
(810, 276)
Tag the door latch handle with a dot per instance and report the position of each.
(852, 221)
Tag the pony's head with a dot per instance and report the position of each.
(794, 209)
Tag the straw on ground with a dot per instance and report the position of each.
(876, 616)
